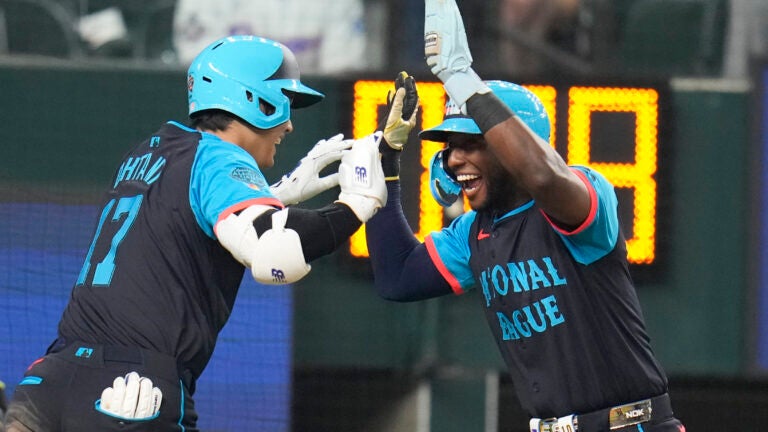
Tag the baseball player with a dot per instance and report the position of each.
(188, 210)
(541, 244)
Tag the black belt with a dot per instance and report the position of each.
(96, 355)
(657, 409)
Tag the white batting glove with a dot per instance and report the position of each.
(361, 178)
(447, 51)
(131, 397)
(304, 182)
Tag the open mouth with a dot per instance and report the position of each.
(469, 182)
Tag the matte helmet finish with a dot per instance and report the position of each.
(236, 73)
(526, 106)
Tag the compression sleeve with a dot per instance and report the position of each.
(402, 268)
(321, 231)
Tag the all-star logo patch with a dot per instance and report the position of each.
(249, 176)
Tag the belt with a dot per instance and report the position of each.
(97, 355)
(654, 410)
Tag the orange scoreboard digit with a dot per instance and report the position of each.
(577, 107)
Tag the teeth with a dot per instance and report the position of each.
(466, 177)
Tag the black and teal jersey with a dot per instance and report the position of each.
(155, 276)
(561, 305)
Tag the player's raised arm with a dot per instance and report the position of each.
(402, 267)
(531, 162)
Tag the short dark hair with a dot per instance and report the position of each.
(213, 120)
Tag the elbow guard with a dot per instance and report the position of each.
(237, 235)
(278, 257)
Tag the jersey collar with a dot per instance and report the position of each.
(513, 212)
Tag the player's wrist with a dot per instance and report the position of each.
(390, 163)
(462, 85)
(487, 110)
(363, 206)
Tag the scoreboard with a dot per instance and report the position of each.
(614, 129)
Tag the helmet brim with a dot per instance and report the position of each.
(441, 132)
(301, 95)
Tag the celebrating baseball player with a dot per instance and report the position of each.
(541, 244)
(188, 210)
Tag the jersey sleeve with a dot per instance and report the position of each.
(449, 251)
(225, 179)
(598, 235)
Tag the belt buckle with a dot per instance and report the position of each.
(562, 424)
(630, 414)
(548, 425)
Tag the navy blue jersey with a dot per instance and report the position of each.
(155, 276)
(561, 305)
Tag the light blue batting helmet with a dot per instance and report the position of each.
(526, 106)
(236, 73)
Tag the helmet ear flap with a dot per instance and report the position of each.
(442, 182)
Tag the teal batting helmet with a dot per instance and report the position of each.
(526, 106)
(237, 73)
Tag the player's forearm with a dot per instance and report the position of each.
(524, 157)
(533, 164)
(321, 231)
(402, 268)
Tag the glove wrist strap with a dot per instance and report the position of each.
(390, 164)
(460, 86)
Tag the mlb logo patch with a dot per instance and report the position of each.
(84, 352)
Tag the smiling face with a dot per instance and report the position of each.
(485, 183)
(261, 144)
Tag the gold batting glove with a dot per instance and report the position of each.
(402, 108)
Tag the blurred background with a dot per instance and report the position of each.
(669, 96)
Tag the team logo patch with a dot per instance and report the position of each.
(278, 276)
(249, 176)
(361, 175)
